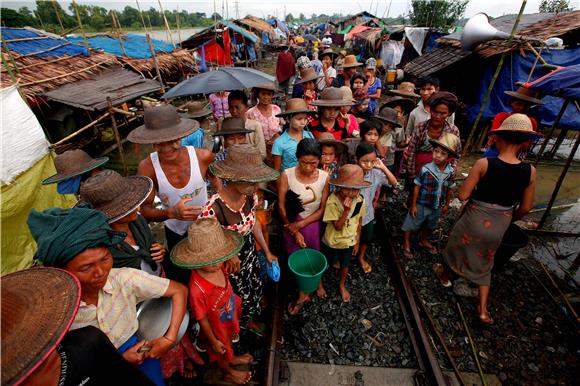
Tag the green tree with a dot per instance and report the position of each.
(301, 17)
(12, 18)
(215, 16)
(437, 14)
(549, 6)
(289, 18)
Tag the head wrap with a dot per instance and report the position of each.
(61, 234)
(444, 98)
(69, 186)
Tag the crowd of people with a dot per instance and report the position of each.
(330, 156)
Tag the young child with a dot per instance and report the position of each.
(284, 148)
(392, 136)
(238, 106)
(233, 132)
(370, 131)
(431, 194)
(378, 175)
(343, 215)
(360, 109)
(213, 302)
(349, 120)
(331, 150)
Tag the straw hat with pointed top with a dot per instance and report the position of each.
(207, 243)
(350, 61)
(388, 115)
(331, 97)
(73, 163)
(162, 124)
(405, 89)
(243, 164)
(114, 195)
(231, 125)
(526, 95)
(307, 75)
(407, 104)
(350, 176)
(327, 139)
(196, 110)
(38, 307)
(295, 106)
(449, 142)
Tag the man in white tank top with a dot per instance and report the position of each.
(179, 174)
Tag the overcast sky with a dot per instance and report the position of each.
(262, 8)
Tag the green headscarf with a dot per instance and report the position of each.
(61, 234)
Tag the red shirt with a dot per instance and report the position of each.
(339, 130)
(285, 66)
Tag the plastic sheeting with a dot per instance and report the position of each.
(416, 36)
(27, 47)
(136, 46)
(563, 82)
(516, 69)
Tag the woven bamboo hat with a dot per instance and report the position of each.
(347, 94)
(162, 124)
(295, 106)
(207, 243)
(517, 123)
(449, 142)
(114, 195)
(350, 61)
(526, 95)
(388, 115)
(73, 163)
(231, 125)
(328, 52)
(243, 164)
(269, 86)
(196, 110)
(405, 89)
(307, 75)
(407, 104)
(328, 139)
(331, 97)
(350, 176)
(38, 307)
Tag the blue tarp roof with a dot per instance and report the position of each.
(31, 46)
(563, 82)
(135, 45)
(253, 38)
(516, 69)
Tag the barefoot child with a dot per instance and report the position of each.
(213, 302)
(378, 175)
(331, 149)
(431, 194)
(370, 131)
(343, 215)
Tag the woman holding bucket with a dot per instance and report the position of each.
(235, 208)
(302, 194)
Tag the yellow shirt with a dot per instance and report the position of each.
(116, 311)
(348, 236)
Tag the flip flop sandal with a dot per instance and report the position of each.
(440, 273)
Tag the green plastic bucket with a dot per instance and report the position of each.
(307, 265)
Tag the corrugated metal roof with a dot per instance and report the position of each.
(91, 94)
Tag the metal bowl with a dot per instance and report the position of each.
(154, 317)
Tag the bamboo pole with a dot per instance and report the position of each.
(560, 181)
(40, 20)
(177, 22)
(44, 51)
(82, 129)
(166, 24)
(154, 57)
(117, 135)
(81, 26)
(552, 129)
(493, 80)
(57, 15)
(64, 75)
(25, 39)
(472, 344)
(149, 21)
(44, 63)
(9, 53)
(141, 14)
(119, 32)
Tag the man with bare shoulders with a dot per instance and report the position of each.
(178, 172)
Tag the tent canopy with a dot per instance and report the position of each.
(136, 46)
(563, 82)
(355, 30)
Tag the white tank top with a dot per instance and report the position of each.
(196, 189)
(311, 193)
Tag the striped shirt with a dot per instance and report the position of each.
(116, 311)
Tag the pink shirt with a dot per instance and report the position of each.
(219, 106)
(270, 125)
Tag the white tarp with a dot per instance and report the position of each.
(23, 141)
(417, 35)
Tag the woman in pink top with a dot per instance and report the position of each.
(219, 105)
(265, 112)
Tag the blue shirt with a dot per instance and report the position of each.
(285, 146)
(194, 139)
(434, 184)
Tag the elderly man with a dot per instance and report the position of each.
(76, 240)
(179, 175)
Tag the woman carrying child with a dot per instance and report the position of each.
(373, 85)
(500, 190)
(359, 92)
(235, 208)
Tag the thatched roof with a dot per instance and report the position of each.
(178, 61)
(257, 24)
(438, 59)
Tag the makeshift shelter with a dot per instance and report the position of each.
(26, 161)
(361, 18)
(261, 27)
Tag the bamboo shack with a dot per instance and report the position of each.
(260, 27)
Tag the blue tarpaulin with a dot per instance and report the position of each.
(563, 82)
(135, 45)
(51, 46)
(253, 38)
(265, 38)
(516, 69)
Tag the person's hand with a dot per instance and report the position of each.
(133, 356)
(233, 265)
(326, 168)
(309, 94)
(293, 227)
(299, 239)
(324, 67)
(413, 211)
(270, 257)
(218, 347)
(347, 203)
(157, 252)
(355, 249)
(159, 347)
(445, 210)
(379, 164)
(184, 212)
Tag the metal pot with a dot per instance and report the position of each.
(154, 317)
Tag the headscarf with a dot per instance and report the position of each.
(444, 98)
(61, 234)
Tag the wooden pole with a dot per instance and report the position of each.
(117, 135)
(177, 22)
(560, 181)
(559, 140)
(119, 32)
(81, 26)
(57, 15)
(99, 119)
(166, 24)
(549, 136)
(40, 20)
(493, 79)
(141, 14)
(154, 57)
(9, 53)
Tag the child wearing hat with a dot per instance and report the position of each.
(432, 193)
(238, 106)
(392, 136)
(331, 152)
(343, 216)
(284, 148)
(213, 302)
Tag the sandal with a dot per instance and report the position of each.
(441, 275)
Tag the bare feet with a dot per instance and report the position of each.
(407, 253)
(321, 292)
(428, 247)
(484, 316)
(295, 306)
(238, 377)
(366, 267)
(244, 359)
(345, 294)
(188, 371)
(336, 265)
